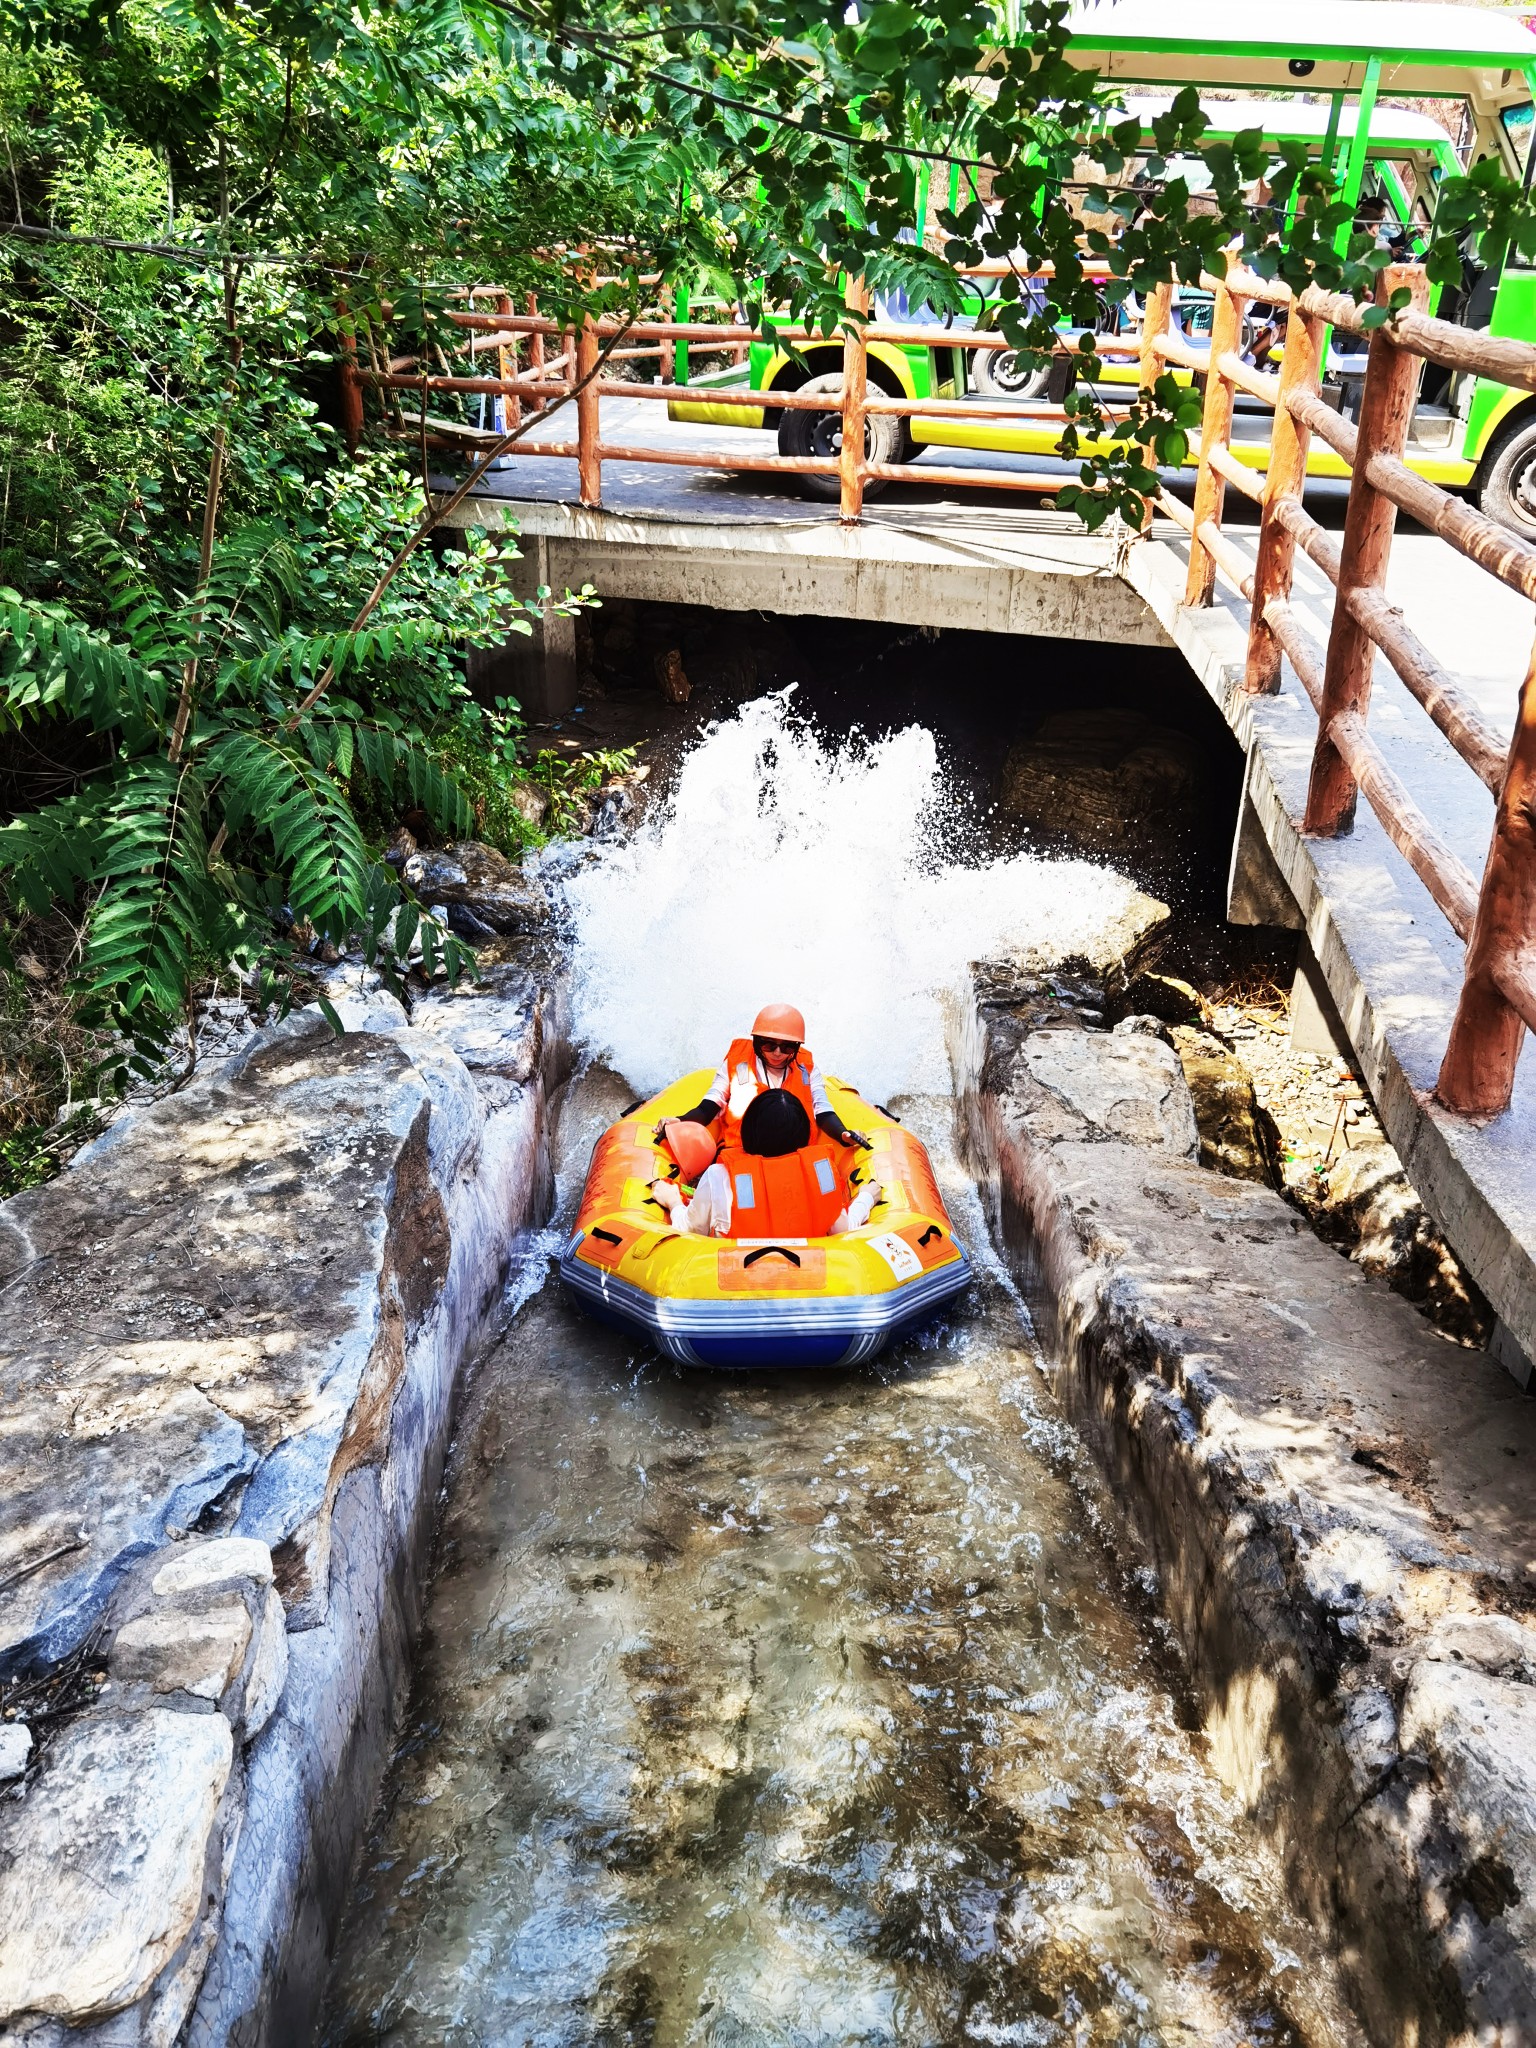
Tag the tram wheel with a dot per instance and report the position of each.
(1508, 489)
(821, 433)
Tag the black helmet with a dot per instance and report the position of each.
(775, 1123)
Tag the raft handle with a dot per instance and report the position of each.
(767, 1251)
(631, 1110)
(932, 1231)
(895, 1119)
(608, 1236)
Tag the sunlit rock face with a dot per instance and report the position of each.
(231, 1338)
(1337, 1501)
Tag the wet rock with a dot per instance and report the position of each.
(675, 686)
(464, 924)
(15, 1748)
(400, 848)
(1476, 1735)
(1145, 994)
(211, 1568)
(242, 1310)
(1495, 1643)
(1235, 1136)
(200, 1654)
(1368, 1206)
(1106, 782)
(1124, 1086)
(530, 803)
(483, 881)
(104, 1867)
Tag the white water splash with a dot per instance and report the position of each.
(789, 868)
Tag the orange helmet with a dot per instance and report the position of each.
(690, 1145)
(779, 1020)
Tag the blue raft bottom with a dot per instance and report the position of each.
(770, 1334)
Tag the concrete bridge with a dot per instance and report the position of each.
(698, 515)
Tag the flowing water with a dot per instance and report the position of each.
(816, 1710)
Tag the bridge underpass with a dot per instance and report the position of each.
(951, 560)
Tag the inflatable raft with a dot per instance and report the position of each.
(748, 1301)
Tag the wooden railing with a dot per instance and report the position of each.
(538, 361)
(1496, 918)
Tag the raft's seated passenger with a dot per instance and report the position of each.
(775, 1056)
(772, 1181)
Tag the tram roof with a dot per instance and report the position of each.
(1484, 54)
(1391, 127)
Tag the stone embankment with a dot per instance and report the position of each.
(1337, 1502)
(232, 1333)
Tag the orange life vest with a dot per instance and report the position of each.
(741, 1062)
(800, 1194)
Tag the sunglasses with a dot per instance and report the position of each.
(789, 1046)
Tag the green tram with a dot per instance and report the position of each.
(1329, 83)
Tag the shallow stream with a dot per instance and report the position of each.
(799, 1712)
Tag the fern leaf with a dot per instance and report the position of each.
(305, 814)
(389, 759)
(52, 660)
(156, 908)
(47, 854)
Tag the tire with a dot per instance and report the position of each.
(821, 433)
(999, 374)
(1507, 492)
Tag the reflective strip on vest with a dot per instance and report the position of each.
(826, 1179)
(746, 1194)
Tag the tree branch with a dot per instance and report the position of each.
(434, 516)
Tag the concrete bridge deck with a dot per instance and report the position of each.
(999, 562)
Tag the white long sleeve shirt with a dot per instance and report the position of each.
(720, 1089)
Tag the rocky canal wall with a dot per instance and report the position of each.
(1336, 1500)
(232, 1333)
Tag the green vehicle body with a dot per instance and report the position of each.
(1347, 55)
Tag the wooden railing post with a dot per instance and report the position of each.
(506, 368)
(1155, 316)
(855, 391)
(535, 352)
(1300, 371)
(1386, 410)
(351, 389)
(1477, 1075)
(666, 359)
(1215, 432)
(588, 411)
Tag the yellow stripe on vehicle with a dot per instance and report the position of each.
(695, 413)
(1452, 470)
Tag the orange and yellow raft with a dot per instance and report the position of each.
(762, 1302)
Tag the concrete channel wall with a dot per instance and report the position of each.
(233, 1331)
(233, 1334)
(1337, 1503)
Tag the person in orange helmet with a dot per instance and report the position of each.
(775, 1056)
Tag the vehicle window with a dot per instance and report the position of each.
(1517, 126)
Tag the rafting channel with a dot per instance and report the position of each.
(818, 1708)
